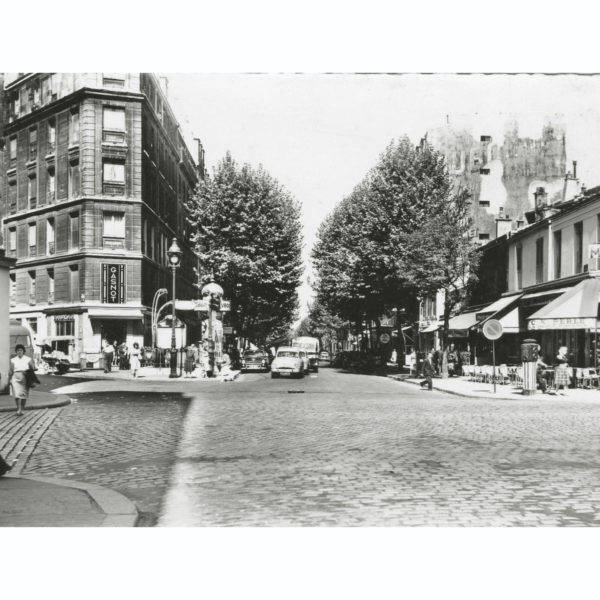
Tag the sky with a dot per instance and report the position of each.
(319, 134)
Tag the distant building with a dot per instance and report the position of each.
(93, 179)
(502, 175)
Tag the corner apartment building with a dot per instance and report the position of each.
(93, 181)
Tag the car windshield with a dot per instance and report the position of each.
(287, 353)
(253, 354)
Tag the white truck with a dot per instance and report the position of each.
(311, 346)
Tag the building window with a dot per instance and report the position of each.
(114, 125)
(32, 289)
(578, 247)
(74, 230)
(519, 262)
(12, 149)
(557, 254)
(51, 186)
(484, 236)
(114, 230)
(32, 191)
(74, 181)
(74, 128)
(12, 241)
(113, 178)
(50, 286)
(74, 283)
(539, 260)
(484, 203)
(65, 327)
(33, 144)
(51, 136)
(12, 197)
(50, 249)
(113, 80)
(484, 171)
(32, 237)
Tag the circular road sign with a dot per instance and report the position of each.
(385, 338)
(492, 329)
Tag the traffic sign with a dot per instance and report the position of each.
(385, 338)
(492, 329)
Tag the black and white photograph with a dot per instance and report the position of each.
(283, 300)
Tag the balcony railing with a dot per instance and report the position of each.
(51, 149)
(51, 197)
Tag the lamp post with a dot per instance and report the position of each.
(174, 254)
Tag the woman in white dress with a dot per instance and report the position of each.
(19, 364)
(134, 359)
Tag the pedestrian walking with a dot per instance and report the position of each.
(191, 356)
(428, 372)
(108, 352)
(21, 377)
(4, 466)
(562, 370)
(134, 359)
(413, 363)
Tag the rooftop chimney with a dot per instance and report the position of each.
(503, 223)
(540, 198)
(574, 169)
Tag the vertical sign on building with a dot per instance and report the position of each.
(113, 284)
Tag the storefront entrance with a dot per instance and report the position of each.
(113, 331)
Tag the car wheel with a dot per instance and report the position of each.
(316, 369)
(274, 375)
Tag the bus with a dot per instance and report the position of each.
(311, 346)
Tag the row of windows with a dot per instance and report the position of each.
(73, 295)
(578, 255)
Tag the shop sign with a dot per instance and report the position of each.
(64, 318)
(113, 284)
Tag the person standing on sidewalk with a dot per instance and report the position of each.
(562, 370)
(108, 351)
(17, 376)
(428, 372)
(4, 466)
(134, 359)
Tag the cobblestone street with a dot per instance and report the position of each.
(357, 450)
(124, 442)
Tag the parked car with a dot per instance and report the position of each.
(288, 361)
(324, 356)
(254, 360)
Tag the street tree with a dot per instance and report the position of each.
(247, 232)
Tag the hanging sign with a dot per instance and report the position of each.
(113, 284)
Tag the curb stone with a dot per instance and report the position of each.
(119, 511)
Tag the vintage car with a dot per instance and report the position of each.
(254, 360)
(289, 361)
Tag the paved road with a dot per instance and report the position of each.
(351, 450)
(357, 450)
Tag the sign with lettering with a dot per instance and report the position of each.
(113, 284)
(64, 318)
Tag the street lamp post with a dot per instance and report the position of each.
(174, 254)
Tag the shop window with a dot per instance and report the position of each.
(32, 323)
(65, 327)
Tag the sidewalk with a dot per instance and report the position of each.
(42, 502)
(461, 386)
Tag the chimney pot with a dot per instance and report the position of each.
(574, 169)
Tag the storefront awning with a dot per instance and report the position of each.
(459, 326)
(115, 313)
(510, 321)
(545, 293)
(498, 306)
(576, 308)
(432, 327)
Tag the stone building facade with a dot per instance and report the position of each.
(93, 179)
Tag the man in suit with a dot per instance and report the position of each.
(428, 372)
